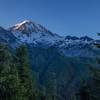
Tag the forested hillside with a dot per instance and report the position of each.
(18, 81)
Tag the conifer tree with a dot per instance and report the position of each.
(24, 72)
(9, 81)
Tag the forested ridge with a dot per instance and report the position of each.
(18, 83)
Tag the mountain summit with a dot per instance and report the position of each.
(28, 27)
(31, 32)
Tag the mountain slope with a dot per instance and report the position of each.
(30, 32)
(37, 35)
(8, 38)
(68, 70)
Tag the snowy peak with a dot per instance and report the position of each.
(27, 27)
(71, 37)
(30, 32)
(86, 38)
(36, 34)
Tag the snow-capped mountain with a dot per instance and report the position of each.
(28, 27)
(30, 32)
(36, 35)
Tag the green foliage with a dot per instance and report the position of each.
(15, 75)
(24, 72)
(66, 69)
(51, 86)
(17, 82)
(92, 90)
(74, 97)
(95, 85)
(9, 81)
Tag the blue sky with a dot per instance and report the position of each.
(65, 17)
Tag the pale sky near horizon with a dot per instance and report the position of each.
(65, 17)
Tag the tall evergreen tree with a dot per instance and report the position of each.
(9, 81)
(24, 72)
